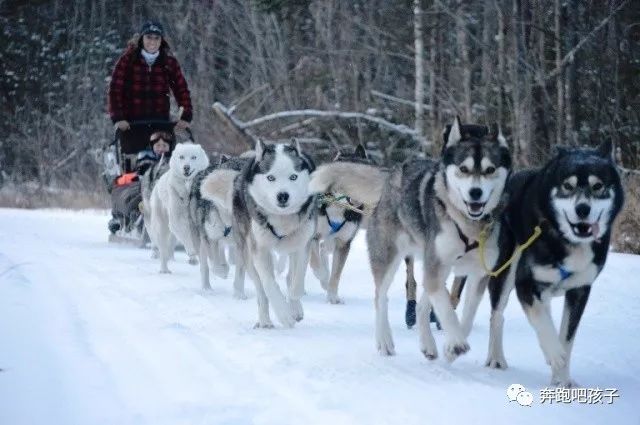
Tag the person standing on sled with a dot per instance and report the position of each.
(142, 79)
(139, 93)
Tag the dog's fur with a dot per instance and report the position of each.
(356, 176)
(338, 225)
(210, 209)
(274, 212)
(574, 199)
(148, 182)
(435, 212)
(169, 203)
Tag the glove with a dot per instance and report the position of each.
(181, 125)
(122, 125)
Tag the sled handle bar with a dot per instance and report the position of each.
(154, 122)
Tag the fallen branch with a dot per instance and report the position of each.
(399, 128)
(398, 100)
(224, 114)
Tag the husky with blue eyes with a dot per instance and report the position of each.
(274, 212)
(572, 202)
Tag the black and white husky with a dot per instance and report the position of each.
(274, 212)
(210, 211)
(573, 200)
(435, 211)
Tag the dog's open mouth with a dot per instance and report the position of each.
(583, 229)
(475, 209)
(188, 173)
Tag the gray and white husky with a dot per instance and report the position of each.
(274, 212)
(210, 212)
(435, 212)
(339, 219)
(573, 200)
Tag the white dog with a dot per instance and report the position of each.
(170, 203)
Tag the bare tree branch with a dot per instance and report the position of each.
(569, 56)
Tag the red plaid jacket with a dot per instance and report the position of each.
(140, 92)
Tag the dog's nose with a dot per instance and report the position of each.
(282, 197)
(475, 193)
(187, 169)
(583, 210)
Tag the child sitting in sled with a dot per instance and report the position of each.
(126, 193)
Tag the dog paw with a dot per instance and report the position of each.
(430, 354)
(385, 345)
(496, 362)
(556, 357)
(428, 347)
(296, 310)
(165, 271)
(265, 325)
(239, 295)
(334, 299)
(386, 350)
(563, 383)
(193, 260)
(454, 348)
(285, 318)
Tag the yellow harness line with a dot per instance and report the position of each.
(482, 239)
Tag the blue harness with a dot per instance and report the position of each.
(335, 226)
(564, 273)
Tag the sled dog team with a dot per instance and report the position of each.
(544, 232)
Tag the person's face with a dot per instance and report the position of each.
(151, 42)
(160, 147)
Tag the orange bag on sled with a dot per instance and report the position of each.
(126, 179)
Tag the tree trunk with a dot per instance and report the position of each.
(461, 32)
(560, 78)
(419, 64)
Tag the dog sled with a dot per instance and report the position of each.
(126, 160)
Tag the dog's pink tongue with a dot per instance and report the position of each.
(595, 229)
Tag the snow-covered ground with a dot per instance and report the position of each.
(90, 333)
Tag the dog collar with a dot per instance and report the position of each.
(227, 230)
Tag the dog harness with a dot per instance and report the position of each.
(335, 225)
(537, 231)
(273, 232)
(465, 240)
(564, 273)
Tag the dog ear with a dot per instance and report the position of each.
(605, 149)
(260, 147)
(496, 135)
(360, 151)
(295, 145)
(453, 133)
